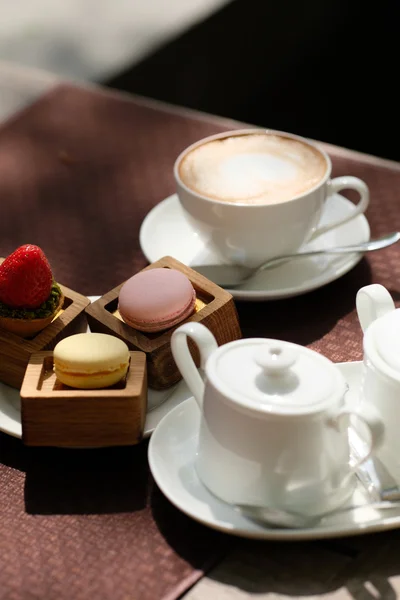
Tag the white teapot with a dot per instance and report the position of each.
(380, 322)
(274, 422)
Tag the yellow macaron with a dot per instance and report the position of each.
(91, 360)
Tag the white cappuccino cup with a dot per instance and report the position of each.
(254, 194)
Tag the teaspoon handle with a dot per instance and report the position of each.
(377, 244)
(287, 519)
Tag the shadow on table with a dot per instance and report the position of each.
(190, 539)
(305, 319)
(361, 566)
(107, 480)
(395, 294)
(13, 453)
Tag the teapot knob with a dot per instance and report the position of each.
(275, 360)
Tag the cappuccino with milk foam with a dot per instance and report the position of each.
(255, 168)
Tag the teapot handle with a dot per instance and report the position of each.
(369, 416)
(206, 343)
(373, 301)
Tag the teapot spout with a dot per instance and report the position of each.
(372, 302)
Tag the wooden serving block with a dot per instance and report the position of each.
(54, 414)
(15, 351)
(215, 308)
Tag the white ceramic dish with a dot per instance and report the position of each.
(172, 451)
(159, 403)
(166, 232)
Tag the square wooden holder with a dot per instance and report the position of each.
(54, 414)
(216, 310)
(15, 351)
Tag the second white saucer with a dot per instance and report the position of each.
(166, 232)
(159, 403)
(172, 454)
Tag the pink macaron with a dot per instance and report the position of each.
(156, 299)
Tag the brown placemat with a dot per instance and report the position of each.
(91, 525)
(79, 170)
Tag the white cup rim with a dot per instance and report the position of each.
(248, 131)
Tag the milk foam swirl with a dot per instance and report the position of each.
(253, 168)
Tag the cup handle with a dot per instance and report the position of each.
(206, 343)
(373, 301)
(373, 422)
(345, 183)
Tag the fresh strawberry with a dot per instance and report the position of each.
(25, 278)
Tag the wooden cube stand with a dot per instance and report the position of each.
(54, 414)
(15, 351)
(215, 309)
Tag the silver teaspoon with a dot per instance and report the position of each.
(229, 276)
(275, 517)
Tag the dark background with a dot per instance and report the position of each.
(326, 69)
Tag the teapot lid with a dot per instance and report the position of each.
(384, 336)
(274, 377)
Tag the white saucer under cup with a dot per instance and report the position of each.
(166, 232)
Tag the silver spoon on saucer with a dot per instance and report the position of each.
(275, 517)
(229, 276)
